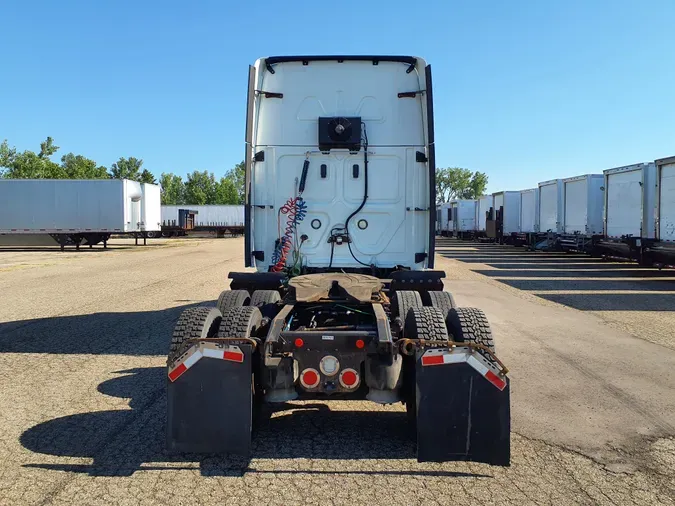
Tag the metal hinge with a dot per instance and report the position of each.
(270, 94)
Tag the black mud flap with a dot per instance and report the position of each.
(461, 414)
(210, 400)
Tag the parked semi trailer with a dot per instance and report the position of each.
(218, 219)
(662, 251)
(551, 206)
(464, 218)
(583, 201)
(75, 212)
(344, 303)
(528, 225)
(503, 227)
(629, 204)
(483, 207)
(445, 219)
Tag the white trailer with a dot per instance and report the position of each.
(583, 205)
(509, 203)
(665, 206)
(529, 211)
(464, 217)
(551, 206)
(151, 202)
(630, 199)
(663, 250)
(206, 215)
(444, 220)
(67, 211)
(482, 208)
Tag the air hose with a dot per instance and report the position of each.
(296, 210)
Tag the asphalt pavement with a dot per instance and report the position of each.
(83, 342)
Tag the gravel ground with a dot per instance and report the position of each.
(83, 338)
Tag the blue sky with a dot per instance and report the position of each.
(524, 90)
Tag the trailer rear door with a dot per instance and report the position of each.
(576, 206)
(624, 203)
(667, 203)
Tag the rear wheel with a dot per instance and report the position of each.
(404, 300)
(232, 298)
(440, 300)
(243, 322)
(239, 322)
(421, 323)
(193, 323)
(266, 301)
(470, 325)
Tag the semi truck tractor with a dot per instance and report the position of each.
(340, 299)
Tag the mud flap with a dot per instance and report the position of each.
(463, 411)
(210, 400)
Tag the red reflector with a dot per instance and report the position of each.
(360, 344)
(495, 380)
(349, 378)
(310, 378)
(173, 375)
(432, 360)
(233, 356)
(299, 343)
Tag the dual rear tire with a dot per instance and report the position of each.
(262, 299)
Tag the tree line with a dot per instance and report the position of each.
(457, 183)
(199, 188)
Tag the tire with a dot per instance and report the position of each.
(421, 323)
(470, 325)
(239, 322)
(440, 300)
(404, 300)
(151, 234)
(232, 298)
(426, 323)
(193, 323)
(261, 298)
(267, 301)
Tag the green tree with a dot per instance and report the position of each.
(47, 148)
(477, 186)
(226, 192)
(80, 167)
(7, 157)
(173, 189)
(238, 177)
(126, 168)
(455, 182)
(200, 188)
(28, 165)
(147, 177)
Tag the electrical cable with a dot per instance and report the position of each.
(365, 195)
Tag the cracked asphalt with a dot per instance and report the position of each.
(83, 339)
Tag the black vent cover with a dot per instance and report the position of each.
(340, 132)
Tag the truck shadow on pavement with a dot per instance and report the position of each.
(134, 333)
(123, 442)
